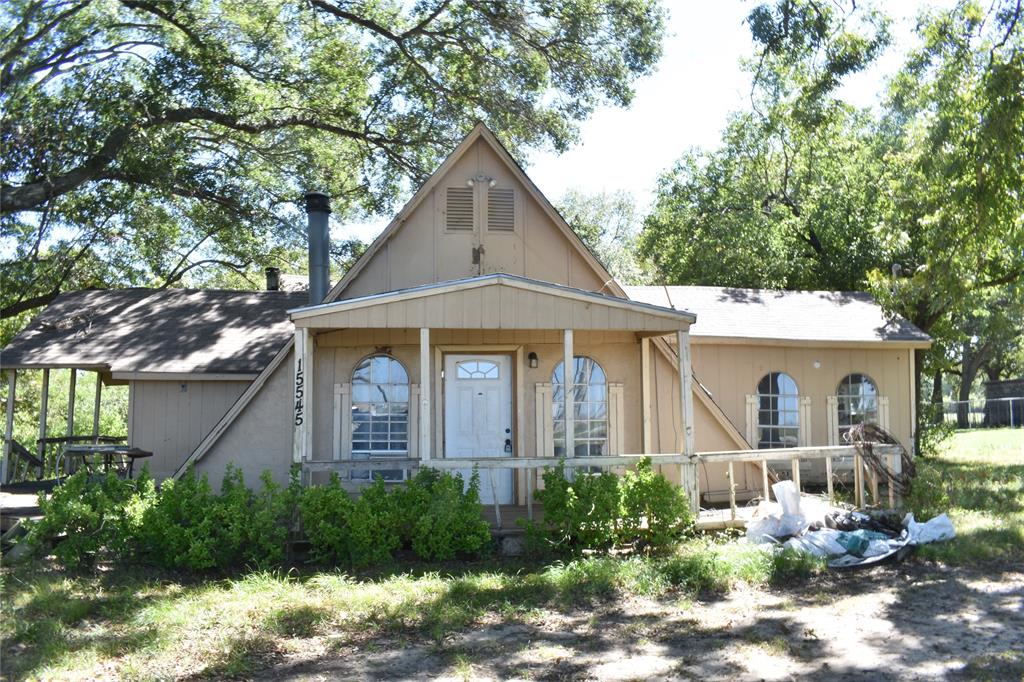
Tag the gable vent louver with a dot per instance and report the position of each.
(459, 209)
(501, 210)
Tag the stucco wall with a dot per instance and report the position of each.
(260, 438)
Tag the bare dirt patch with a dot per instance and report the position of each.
(909, 622)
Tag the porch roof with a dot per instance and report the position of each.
(497, 301)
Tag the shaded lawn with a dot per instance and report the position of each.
(133, 623)
(978, 478)
(136, 623)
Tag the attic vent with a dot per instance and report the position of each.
(501, 210)
(459, 209)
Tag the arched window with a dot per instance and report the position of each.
(778, 415)
(590, 400)
(857, 398)
(380, 412)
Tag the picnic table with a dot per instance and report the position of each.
(109, 455)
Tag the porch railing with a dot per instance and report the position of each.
(688, 469)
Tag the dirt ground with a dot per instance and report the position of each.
(906, 622)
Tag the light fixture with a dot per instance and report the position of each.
(470, 182)
(532, 359)
(492, 183)
(817, 364)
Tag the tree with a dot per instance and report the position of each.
(921, 204)
(788, 199)
(609, 225)
(148, 140)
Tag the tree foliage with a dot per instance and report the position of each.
(609, 224)
(918, 202)
(148, 140)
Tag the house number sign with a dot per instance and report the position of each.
(300, 393)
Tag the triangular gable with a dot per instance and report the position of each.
(430, 248)
(480, 133)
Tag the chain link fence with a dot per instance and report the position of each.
(984, 413)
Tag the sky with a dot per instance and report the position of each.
(684, 104)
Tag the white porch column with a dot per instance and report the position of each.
(44, 409)
(424, 416)
(96, 408)
(686, 390)
(12, 380)
(302, 440)
(568, 374)
(72, 385)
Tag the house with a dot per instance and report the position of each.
(446, 345)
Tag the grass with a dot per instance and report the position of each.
(134, 624)
(978, 479)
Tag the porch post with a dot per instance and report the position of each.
(568, 374)
(12, 379)
(72, 385)
(44, 408)
(97, 399)
(686, 390)
(689, 477)
(645, 393)
(424, 416)
(302, 439)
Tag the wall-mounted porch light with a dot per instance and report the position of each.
(532, 359)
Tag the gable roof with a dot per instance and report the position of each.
(832, 317)
(479, 132)
(195, 331)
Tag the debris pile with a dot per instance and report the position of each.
(846, 538)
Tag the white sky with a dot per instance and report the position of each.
(683, 105)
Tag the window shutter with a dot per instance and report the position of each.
(501, 210)
(459, 209)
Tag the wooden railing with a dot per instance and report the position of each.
(688, 468)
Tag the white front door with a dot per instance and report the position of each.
(478, 417)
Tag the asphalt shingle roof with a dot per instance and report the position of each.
(822, 316)
(158, 330)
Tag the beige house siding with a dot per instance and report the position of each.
(731, 372)
(423, 251)
(260, 438)
(170, 418)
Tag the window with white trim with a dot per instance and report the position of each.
(590, 408)
(778, 412)
(380, 413)
(856, 402)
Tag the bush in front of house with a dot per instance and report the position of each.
(601, 511)
(189, 526)
(93, 517)
(186, 525)
(431, 514)
(441, 517)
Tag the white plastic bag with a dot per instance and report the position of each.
(821, 543)
(933, 530)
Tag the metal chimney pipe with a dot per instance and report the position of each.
(273, 279)
(318, 207)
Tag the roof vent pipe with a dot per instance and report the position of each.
(273, 279)
(318, 208)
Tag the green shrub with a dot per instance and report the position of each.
(581, 514)
(655, 513)
(323, 510)
(180, 529)
(442, 516)
(600, 511)
(374, 526)
(91, 516)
